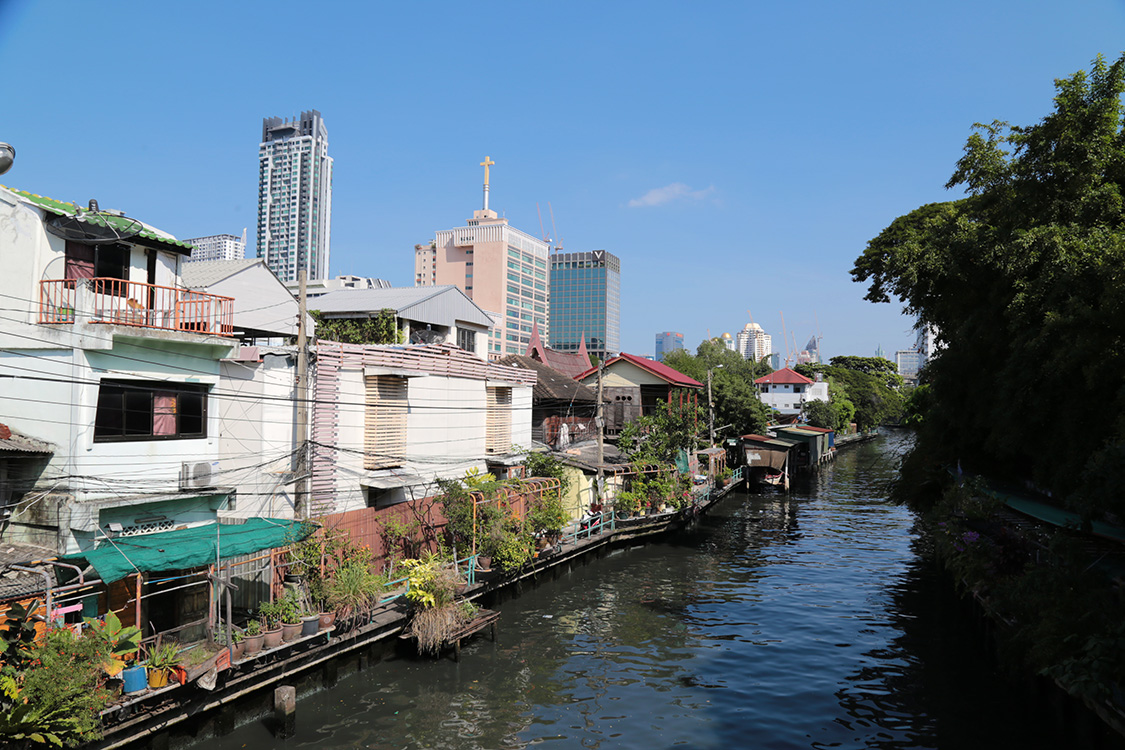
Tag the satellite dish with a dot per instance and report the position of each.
(94, 227)
(424, 337)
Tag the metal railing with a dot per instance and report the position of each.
(133, 303)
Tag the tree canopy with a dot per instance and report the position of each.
(1024, 280)
(732, 384)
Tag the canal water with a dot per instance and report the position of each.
(808, 621)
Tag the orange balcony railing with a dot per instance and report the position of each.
(131, 303)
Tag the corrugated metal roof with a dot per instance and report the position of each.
(13, 441)
(437, 305)
(203, 273)
(551, 384)
(101, 219)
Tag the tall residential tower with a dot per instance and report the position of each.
(295, 196)
(586, 302)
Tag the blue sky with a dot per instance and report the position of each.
(734, 155)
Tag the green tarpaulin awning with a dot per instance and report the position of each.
(189, 548)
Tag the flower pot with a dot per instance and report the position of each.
(272, 638)
(252, 644)
(327, 620)
(237, 649)
(134, 678)
(158, 678)
(310, 624)
(290, 631)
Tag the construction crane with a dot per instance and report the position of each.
(542, 231)
(785, 338)
(558, 240)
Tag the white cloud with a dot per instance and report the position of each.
(674, 192)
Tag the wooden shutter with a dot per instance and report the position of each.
(498, 428)
(384, 422)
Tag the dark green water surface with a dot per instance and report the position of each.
(811, 621)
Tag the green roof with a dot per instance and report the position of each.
(189, 548)
(99, 219)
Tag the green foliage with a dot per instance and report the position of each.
(271, 613)
(432, 581)
(547, 465)
(654, 489)
(1031, 257)
(354, 588)
(120, 641)
(319, 555)
(867, 391)
(513, 548)
(658, 437)
(381, 329)
(254, 627)
(732, 384)
(62, 695)
(164, 656)
(400, 537)
(18, 637)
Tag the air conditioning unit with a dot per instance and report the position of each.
(194, 474)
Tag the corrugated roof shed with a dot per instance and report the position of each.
(437, 305)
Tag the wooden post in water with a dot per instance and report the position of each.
(285, 710)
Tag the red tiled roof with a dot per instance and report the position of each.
(659, 369)
(784, 376)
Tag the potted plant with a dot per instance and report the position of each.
(271, 613)
(353, 589)
(121, 642)
(252, 638)
(161, 661)
(237, 646)
(310, 622)
(290, 618)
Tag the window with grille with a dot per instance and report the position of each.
(384, 422)
(467, 339)
(498, 427)
(140, 410)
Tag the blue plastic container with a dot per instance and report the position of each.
(135, 679)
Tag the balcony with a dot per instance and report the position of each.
(130, 303)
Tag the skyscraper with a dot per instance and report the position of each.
(754, 343)
(499, 267)
(586, 302)
(668, 341)
(218, 247)
(295, 196)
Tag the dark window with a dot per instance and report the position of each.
(140, 410)
(467, 339)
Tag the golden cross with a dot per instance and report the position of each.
(486, 164)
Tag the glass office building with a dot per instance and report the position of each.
(586, 301)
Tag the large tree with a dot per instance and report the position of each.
(732, 384)
(1024, 279)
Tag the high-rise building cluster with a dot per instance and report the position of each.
(295, 196)
(218, 247)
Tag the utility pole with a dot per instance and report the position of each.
(710, 410)
(301, 500)
(599, 422)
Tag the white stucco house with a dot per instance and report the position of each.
(107, 358)
(390, 420)
(787, 391)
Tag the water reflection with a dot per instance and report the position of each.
(807, 620)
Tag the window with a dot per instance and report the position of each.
(143, 410)
(384, 421)
(467, 339)
(498, 427)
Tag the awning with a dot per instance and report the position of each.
(384, 481)
(189, 548)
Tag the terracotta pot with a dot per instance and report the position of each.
(310, 624)
(252, 644)
(290, 631)
(157, 678)
(327, 620)
(272, 638)
(237, 649)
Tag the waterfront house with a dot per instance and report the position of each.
(111, 360)
(563, 410)
(389, 420)
(633, 386)
(787, 391)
